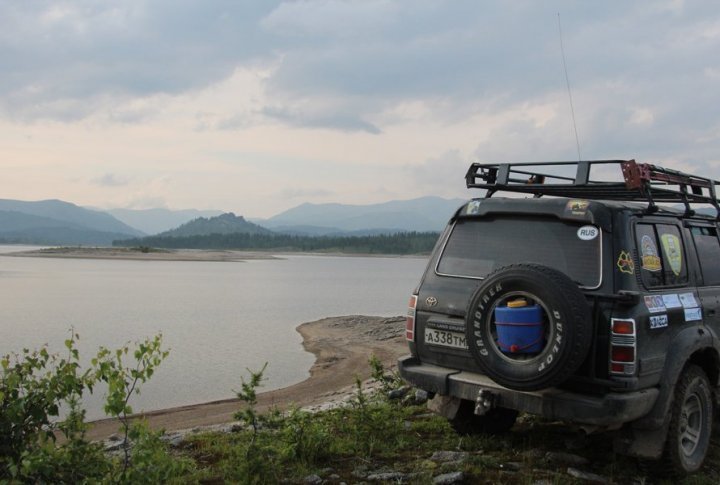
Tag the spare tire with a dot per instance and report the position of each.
(565, 327)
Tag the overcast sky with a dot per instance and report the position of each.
(258, 106)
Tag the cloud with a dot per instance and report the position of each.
(304, 193)
(110, 180)
(67, 52)
(442, 175)
(342, 121)
(146, 202)
(643, 75)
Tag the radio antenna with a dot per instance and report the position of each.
(567, 82)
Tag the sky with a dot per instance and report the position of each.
(259, 106)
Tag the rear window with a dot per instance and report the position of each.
(477, 247)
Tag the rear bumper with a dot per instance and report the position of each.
(611, 409)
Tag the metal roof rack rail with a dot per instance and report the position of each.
(642, 182)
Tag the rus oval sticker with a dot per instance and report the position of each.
(588, 233)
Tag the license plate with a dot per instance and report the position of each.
(445, 338)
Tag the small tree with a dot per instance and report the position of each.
(123, 381)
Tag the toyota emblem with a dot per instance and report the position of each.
(431, 301)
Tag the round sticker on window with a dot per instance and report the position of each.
(588, 233)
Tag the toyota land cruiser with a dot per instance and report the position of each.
(594, 305)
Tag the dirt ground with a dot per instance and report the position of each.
(342, 347)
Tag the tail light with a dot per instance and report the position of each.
(410, 323)
(623, 346)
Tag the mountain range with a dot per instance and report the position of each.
(155, 221)
(423, 214)
(55, 222)
(58, 222)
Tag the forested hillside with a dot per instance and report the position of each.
(401, 243)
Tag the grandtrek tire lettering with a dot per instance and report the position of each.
(567, 331)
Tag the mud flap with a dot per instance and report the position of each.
(641, 443)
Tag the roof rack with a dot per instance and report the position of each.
(643, 182)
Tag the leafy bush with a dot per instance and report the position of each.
(34, 387)
(40, 395)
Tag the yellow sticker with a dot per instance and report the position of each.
(649, 255)
(577, 207)
(673, 251)
(625, 263)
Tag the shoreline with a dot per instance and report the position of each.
(135, 254)
(205, 255)
(342, 347)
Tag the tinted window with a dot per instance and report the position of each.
(477, 247)
(708, 249)
(662, 259)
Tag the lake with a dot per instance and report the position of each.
(218, 318)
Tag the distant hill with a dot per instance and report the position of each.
(154, 221)
(227, 223)
(55, 222)
(423, 214)
(67, 212)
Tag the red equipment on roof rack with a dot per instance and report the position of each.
(643, 182)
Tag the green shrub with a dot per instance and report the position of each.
(34, 388)
(40, 395)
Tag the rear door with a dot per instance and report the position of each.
(707, 246)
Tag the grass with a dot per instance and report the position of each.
(373, 435)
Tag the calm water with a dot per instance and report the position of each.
(218, 318)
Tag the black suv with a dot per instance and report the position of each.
(595, 306)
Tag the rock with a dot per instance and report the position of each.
(590, 477)
(511, 466)
(560, 457)
(534, 454)
(398, 393)
(111, 446)
(445, 456)
(114, 437)
(421, 396)
(174, 439)
(449, 478)
(312, 479)
(387, 477)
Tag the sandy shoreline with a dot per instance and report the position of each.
(136, 254)
(228, 255)
(342, 347)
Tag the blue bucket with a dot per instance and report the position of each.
(520, 329)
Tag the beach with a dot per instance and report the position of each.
(143, 254)
(342, 347)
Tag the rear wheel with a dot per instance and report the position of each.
(690, 423)
(495, 421)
